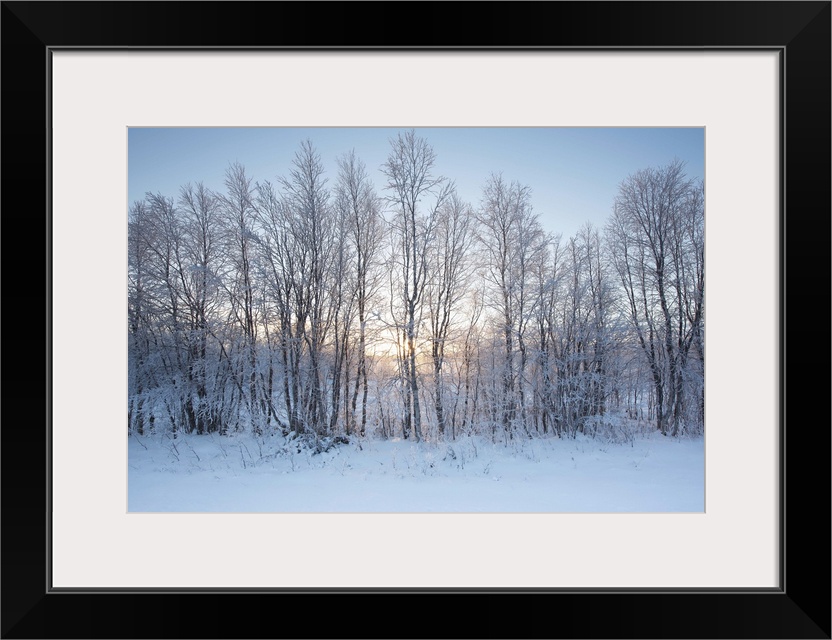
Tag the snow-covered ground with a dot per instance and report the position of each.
(267, 474)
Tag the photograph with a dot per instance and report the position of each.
(415, 309)
(416, 320)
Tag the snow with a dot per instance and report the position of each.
(268, 474)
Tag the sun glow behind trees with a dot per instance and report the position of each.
(325, 305)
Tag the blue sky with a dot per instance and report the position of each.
(574, 173)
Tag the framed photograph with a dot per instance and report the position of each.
(563, 418)
(83, 82)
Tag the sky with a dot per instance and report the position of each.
(573, 173)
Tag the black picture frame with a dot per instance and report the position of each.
(799, 608)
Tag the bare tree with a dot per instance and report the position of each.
(581, 336)
(549, 277)
(470, 366)
(514, 245)
(446, 286)
(239, 214)
(689, 277)
(198, 264)
(655, 258)
(417, 196)
(163, 229)
(359, 209)
(310, 221)
(279, 266)
(139, 314)
(336, 313)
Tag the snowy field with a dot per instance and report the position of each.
(268, 474)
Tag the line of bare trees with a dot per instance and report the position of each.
(329, 309)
